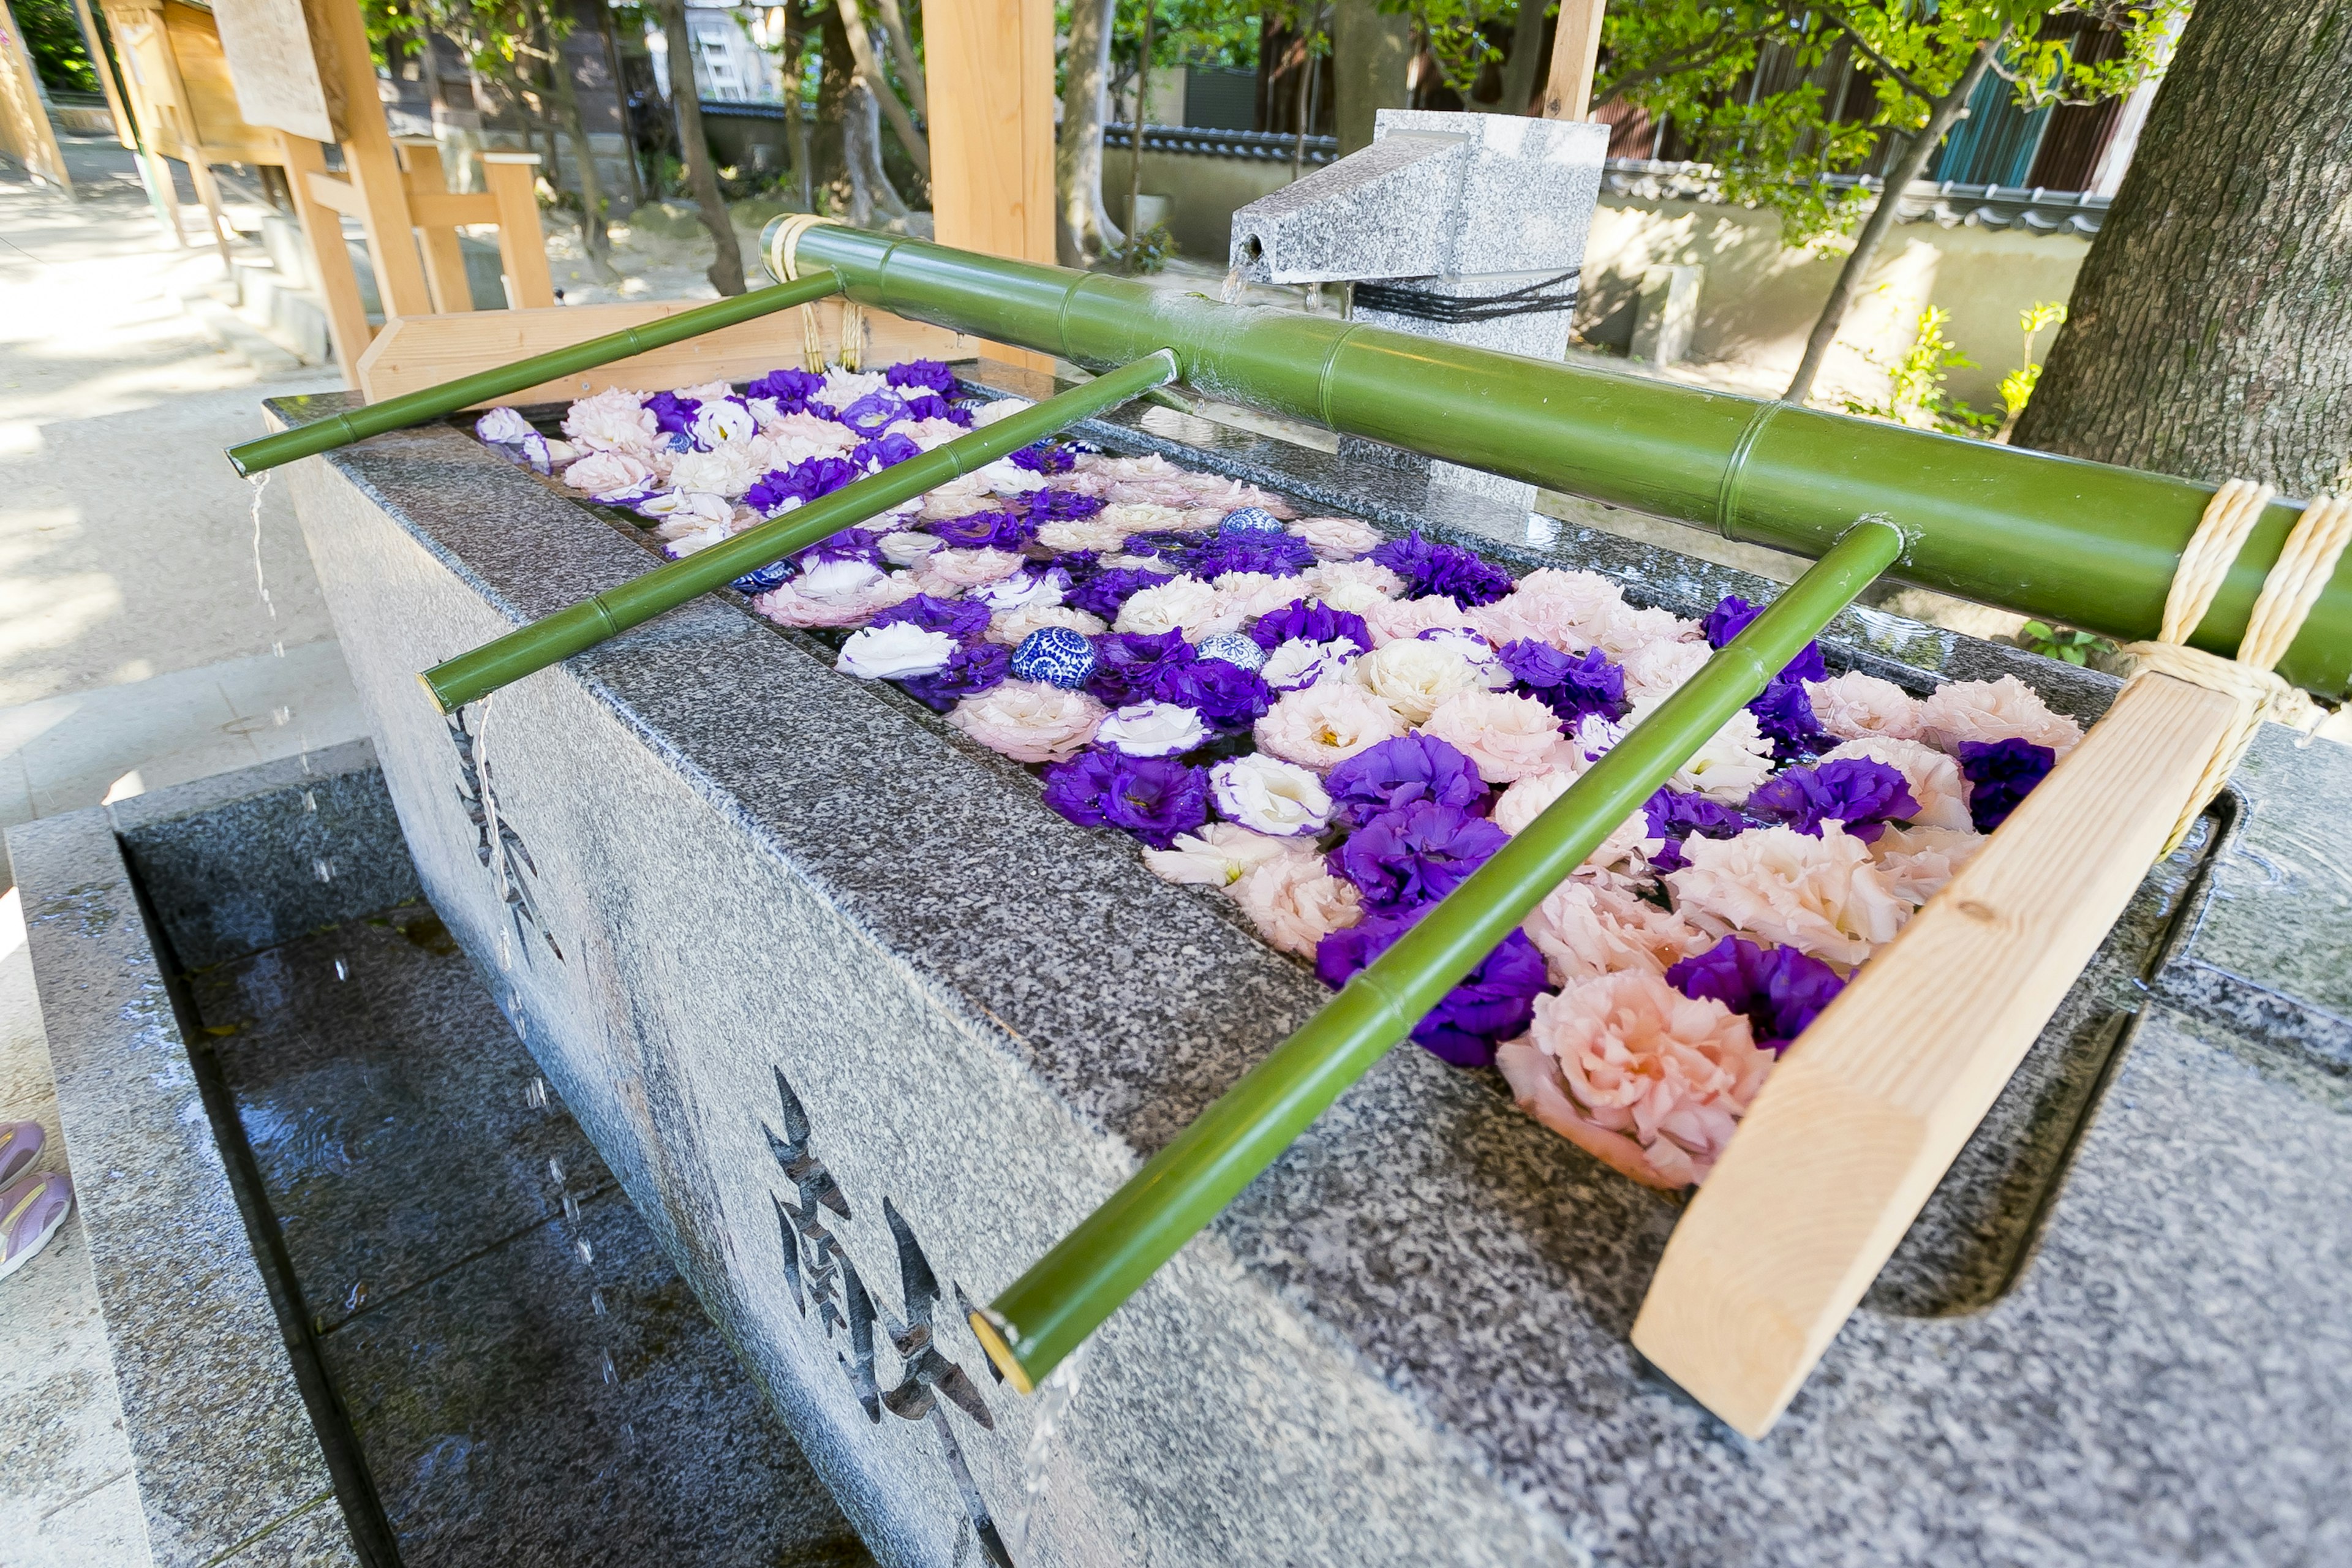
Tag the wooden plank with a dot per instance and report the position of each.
(125, 131)
(1575, 54)
(1863, 1116)
(445, 260)
(989, 73)
(215, 121)
(25, 134)
(304, 162)
(334, 193)
(416, 352)
(513, 179)
(370, 165)
(449, 209)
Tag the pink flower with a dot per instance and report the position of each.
(1086, 534)
(601, 473)
(1336, 538)
(1821, 896)
(1397, 619)
(1625, 851)
(1029, 720)
(1009, 626)
(1184, 605)
(1213, 492)
(1656, 668)
(1918, 861)
(2001, 709)
(1589, 927)
(1854, 706)
(1249, 595)
(1509, 736)
(1625, 630)
(1149, 493)
(1933, 778)
(614, 421)
(788, 606)
(945, 573)
(1296, 902)
(1565, 609)
(1649, 1081)
(1324, 724)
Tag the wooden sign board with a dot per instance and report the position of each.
(413, 352)
(274, 66)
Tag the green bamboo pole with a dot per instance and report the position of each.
(1051, 1310)
(2086, 543)
(433, 402)
(555, 638)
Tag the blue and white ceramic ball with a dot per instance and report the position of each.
(1055, 655)
(1250, 520)
(1232, 647)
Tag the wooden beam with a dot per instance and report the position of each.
(1861, 1120)
(989, 75)
(371, 164)
(322, 230)
(513, 179)
(1575, 54)
(416, 352)
(436, 236)
(334, 191)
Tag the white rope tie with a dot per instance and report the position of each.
(783, 262)
(2290, 589)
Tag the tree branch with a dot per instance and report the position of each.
(902, 52)
(1675, 63)
(861, 50)
(1902, 78)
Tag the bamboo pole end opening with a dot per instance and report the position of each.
(992, 1333)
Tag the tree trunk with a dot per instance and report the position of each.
(861, 146)
(2209, 334)
(1370, 52)
(1083, 232)
(796, 137)
(1524, 65)
(726, 272)
(877, 87)
(1941, 118)
(902, 50)
(593, 239)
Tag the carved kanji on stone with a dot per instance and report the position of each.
(508, 857)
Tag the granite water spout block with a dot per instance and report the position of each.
(831, 1062)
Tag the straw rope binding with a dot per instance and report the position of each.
(2289, 591)
(783, 263)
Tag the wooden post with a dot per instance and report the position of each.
(125, 131)
(372, 167)
(322, 231)
(513, 179)
(1859, 1122)
(445, 260)
(990, 79)
(24, 133)
(1575, 53)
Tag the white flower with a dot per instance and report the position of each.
(723, 421)
(668, 504)
(2001, 709)
(1181, 604)
(1249, 595)
(616, 420)
(1917, 861)
(607, 473)
(1295, 901)
(1218, 856)
(844, 387)
(1474, 648)
(1933, 778)
(1855, 705)
(502, 427)
(1821, 896)
(1152, 729)
(1299, 664)
(837, 580)
(706, 392)
(723, 471)
(1271, 796)
(1027, 590)
(1625, 628)
(905, 549)
(1336, 538)
(1414, 676)
(894, 652)
(682, 540)
(1338, 576)
(988, 413)
(1656, 668)
(1007, 477)
(1011, 627)
(1355, 598)
(1084, 534)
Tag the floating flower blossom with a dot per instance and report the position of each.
(895, 651)
(1778, 990)
(1031, 587)
(1152, 729)
(1396, 774)
(1854, 706)
(2000, 775)
(1673, 815)
(1131, 667)
(1310, 621)
(961, 619)
(1324, 725)
(615, 421)
(921, 375)
(1152, 798)
(788, 389)
(1429, 567)
(803, 482)
(1563, 609)
(1933, 778)
(1415, 854)
(1268, 796)
(1086, 534)
(1414, 676)
(1649, 1081)
(1918, 861)
(1493, 1001)
(842, 605)
(1031, 722)
(1298, 664)
(946, 573)
(1223, 853)
(502, 426)
(906, 548)
(1585, 928)
(1226, 695)
(673, 415)
(1506, 735)
(1181, 603)
(1296, 903)
(1570, 685)
(972, 669)
(2002, 709)
(1821, 895)
(722, 421)
(1273, 554)
(604, 472)
(1346, 585)
(727, 470)
(1865, 795)
(884, 450)
(1009, 627)
(1657, 669)
(1336, 538)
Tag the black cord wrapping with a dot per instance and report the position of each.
(1454, 310)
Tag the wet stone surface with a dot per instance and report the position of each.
(529, 1380)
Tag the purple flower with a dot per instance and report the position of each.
(673, 413)
(963, 619)
(1416, 853)
(874, 413)
(924, 375)
(1228, 696)
(884, 450)
(1107, 590)
(803, 482)
(1154, 798)
(1572, 685)
(849, 544)
(1044, 457)
(930, 405)
(1675, 816)
(1784, 712)
(1276, 555)
(986, 530)
(1062, 506)
(790, 389)
(1397, 772)
(1429, 567)
(1493, 1002)
(1730, 618)
(1312, 619)
(1780, 990)
(1130, 664)
(972, 668)
(1864, 794)
(1166, 542)
(2001, 773)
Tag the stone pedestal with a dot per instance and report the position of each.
(862, 1027)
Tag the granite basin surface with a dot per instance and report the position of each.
(861, 1027)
